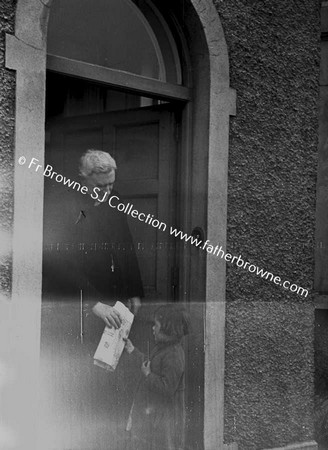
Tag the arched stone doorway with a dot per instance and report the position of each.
(26, 54)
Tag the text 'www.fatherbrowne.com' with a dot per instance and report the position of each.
(238, 260)
(113, 201)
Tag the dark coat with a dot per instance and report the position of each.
(88, 251)
(158, 411)
(88, 247)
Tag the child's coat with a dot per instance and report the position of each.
(158, 412)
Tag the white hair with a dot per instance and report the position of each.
(96, 161)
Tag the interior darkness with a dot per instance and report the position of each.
(70, 96)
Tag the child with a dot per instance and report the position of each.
(156, 416)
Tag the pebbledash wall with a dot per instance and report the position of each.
(274, 66)
(7, 125)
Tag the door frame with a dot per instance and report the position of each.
(26, 54)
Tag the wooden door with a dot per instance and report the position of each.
(143, 144)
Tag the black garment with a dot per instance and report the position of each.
(158, 411)
(88, 248)
(89, 254)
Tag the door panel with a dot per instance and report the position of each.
(137, 150)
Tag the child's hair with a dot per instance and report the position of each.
(174, 320)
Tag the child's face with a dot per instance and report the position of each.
(156, 330)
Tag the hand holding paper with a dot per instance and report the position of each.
(108, 314)
(112, 342)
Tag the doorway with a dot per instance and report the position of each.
(143, 141)
(213, 101)
(142, 135)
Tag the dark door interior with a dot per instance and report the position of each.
(88, 407)
(142, 141)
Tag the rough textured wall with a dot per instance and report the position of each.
(274, 63)
(7, 105)
(273, 49)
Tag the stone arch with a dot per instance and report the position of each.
(26, 54)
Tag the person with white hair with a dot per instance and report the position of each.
(98, 169)
(99, 259)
